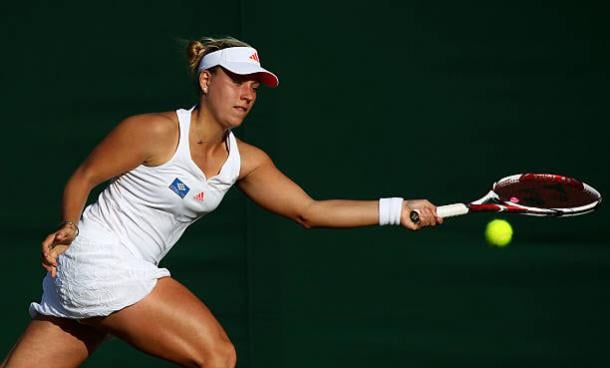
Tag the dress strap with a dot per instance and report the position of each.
(184, 121)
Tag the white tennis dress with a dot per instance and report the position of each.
(136, 220)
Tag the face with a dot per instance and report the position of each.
(228, 96)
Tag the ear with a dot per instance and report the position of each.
(204, 81)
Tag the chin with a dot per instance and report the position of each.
(234, 123)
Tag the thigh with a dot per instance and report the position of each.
(54, 342)
(170, 323)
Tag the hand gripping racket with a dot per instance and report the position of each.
(529, 194)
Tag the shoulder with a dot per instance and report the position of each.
(159, 124)
(156, 135)
(252, 157)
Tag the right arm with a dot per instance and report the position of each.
(144, 139)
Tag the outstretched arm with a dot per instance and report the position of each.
(271, 189)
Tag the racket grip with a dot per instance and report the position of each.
(451, 210)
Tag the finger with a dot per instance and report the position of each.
(424, 214)
(48, 241)
(48, 264)
(427, 216)
(432, 217)
(44, 258)
(50, 258)
(48, 268)
(51, 268)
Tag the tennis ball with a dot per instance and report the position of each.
(498, 233)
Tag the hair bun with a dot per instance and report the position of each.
(195, 50)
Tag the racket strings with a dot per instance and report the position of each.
(546, 191)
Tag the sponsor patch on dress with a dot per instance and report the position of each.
(178, 187)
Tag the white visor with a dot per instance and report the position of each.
(239, 60)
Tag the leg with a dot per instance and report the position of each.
(53, 342)
(173, 324)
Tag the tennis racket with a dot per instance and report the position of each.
(529, 194)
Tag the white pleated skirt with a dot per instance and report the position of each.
(95, 277)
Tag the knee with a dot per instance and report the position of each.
(221, 355)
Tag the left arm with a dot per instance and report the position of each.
(267, 186)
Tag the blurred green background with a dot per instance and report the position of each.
(424, 99)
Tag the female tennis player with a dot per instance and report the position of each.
(167, 170)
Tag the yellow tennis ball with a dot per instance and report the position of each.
(498, 233)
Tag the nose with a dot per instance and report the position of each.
(248, 93)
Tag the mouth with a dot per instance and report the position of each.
(241, 109)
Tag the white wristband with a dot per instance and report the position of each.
(390, 210)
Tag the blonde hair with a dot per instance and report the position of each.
(196, 50)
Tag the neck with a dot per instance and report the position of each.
(207, 130)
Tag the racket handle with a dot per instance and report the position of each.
(451, 210)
